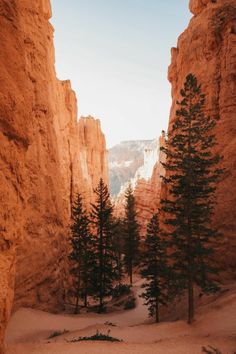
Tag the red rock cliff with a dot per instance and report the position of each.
(45, 158)
(208, 50)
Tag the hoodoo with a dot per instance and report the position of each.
(46, 156)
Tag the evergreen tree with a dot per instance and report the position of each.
(82, 242)
(101, 216)
(154, 269)
(131, 234)
(191, 177)
(118, 245)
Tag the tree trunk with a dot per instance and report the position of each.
(76, 305)
(85, 299)
(77, 296)
(101, 304)
(157, 311)
(190, 301)
(131, 274)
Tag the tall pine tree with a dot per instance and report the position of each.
(131, 234)
(191, 179)
(118, 245)
(81, 255)
(101, 217)
(154, 269)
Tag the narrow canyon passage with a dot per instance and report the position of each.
(49, 155)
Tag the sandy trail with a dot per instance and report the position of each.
(28, 331)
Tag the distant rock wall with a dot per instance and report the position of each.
(146, 185)
(124, 161)
(45, 158)
(207, 48)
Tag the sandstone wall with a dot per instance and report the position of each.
(207, 49)
(45, 158)
(147, 193)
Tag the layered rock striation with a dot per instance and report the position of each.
(207, 49)
(46, 156)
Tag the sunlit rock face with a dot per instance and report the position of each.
(207, 49)
(197, 6)
(92, 157)
(45, 158)
(146, 185)
(124, 161)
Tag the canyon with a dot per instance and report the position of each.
(47, 156)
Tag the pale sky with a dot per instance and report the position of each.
(116, 54)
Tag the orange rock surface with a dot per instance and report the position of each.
(45, 158)
(207, 48)
(147, 193)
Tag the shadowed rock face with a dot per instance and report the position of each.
(45, 158)
(207, 49)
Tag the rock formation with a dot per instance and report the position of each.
(147, 192)
(146, 185)
(45, 158)
(124, 161)
(208, 50)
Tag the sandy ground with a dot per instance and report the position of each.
(215, 325)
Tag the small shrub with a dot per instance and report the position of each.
(57, 333)
(97, 336)
(130, 303)
(210, 350)
(110, 324)
(120, 290)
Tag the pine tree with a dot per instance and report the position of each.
(154, 269)
(101, 216)
(82, 242)
(131, 234)
(118, 245)
(191, 179)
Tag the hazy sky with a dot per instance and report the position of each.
(116, 53)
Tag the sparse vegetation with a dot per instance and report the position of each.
(211, 350)
(57, 333)
(96, 337)
(107, 323)
(130, 303)
(121, 290)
